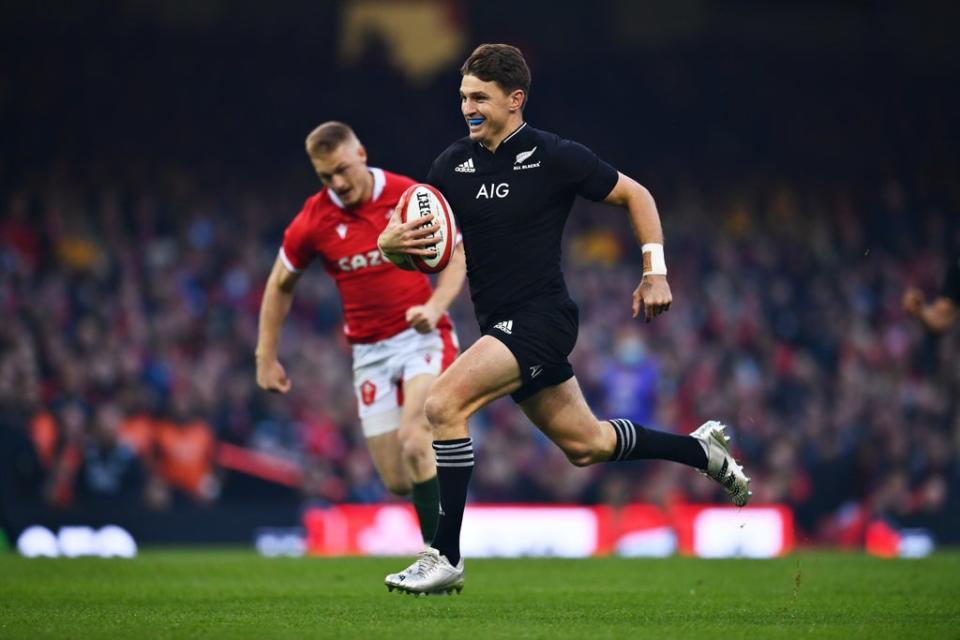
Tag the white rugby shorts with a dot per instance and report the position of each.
(381, 368)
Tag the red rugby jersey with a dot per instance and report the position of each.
(375, 293)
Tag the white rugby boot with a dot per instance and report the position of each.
(430, 574)
(720, 464)
(394, 580)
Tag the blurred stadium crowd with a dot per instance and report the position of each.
(804, 161)
(126, 354)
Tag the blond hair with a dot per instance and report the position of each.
(328, 136)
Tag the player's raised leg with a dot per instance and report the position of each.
(483, 373)
(562, 414)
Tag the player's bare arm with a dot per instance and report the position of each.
(652, 296)
(277, 299)
(937, 316)
(424, 317)
(411, 238)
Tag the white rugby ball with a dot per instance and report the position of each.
(419, 201)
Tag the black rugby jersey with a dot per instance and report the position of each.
(951, 285)
(511, 206)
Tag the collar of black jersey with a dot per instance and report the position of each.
(514, 138)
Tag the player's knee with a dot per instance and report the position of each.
(416, 452)
(439, 409)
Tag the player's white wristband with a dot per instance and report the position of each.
(653, 262)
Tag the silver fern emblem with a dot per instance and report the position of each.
(523, 155)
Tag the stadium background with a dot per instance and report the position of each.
(803, 156)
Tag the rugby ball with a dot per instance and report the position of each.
(419, 201)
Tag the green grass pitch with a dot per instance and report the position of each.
(235, 594)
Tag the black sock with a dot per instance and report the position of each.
(635, 442)
(426, 501)
(454, 467)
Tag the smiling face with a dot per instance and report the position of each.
(491, 113)
(344, 171)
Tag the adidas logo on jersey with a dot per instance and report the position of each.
(465, 167)
(506, 326)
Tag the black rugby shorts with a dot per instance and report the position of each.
(540, 338)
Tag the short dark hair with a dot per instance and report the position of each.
(500, 63)
(328, 136)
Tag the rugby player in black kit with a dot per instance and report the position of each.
(511, 188)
